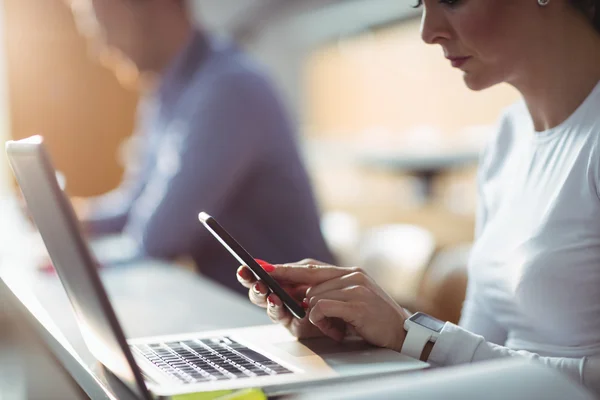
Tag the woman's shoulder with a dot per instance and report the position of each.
(513, 118)
(504, 134)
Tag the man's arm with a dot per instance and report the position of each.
(222, 144)
(109, 212)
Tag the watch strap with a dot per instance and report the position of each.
(415, 341)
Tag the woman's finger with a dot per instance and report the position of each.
(296, 292)
(329, 327)
(346, 294)
(348, 312)
(324, 314)
(258, 294)
(277, 311)
(307, 274)
(311, 261)
(245, 276)
(354, 277)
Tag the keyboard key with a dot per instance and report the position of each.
(259, 372)
(253, 355)
(209, 359)
(229, 367)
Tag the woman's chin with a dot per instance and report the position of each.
(477, 82)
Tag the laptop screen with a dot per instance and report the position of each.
(59, 228)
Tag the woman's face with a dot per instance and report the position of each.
(489, 40)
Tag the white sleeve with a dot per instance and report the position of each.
(459, 346)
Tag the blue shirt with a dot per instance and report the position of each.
(215, 138)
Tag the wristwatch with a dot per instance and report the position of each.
(420, 329)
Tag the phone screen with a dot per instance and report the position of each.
(244, 258)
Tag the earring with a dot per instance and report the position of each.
(543, 3)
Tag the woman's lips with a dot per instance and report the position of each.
(458, 62)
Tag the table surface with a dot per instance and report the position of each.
(394, 158)
(404, 162)
(150, 298)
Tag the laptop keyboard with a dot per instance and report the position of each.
(204, 360)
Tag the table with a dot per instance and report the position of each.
(426, 167)
(150, 299)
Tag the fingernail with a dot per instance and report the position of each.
(271, 302)
(265, 265)
(255, 288)
(243, 275)
(305, 304)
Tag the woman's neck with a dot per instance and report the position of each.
(561, 75)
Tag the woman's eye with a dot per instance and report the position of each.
(450, 3)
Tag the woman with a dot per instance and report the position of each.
(534, 272)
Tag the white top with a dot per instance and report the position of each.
(534, 272)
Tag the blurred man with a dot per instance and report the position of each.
(214, 138)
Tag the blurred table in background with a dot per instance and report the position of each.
(426, 167)
(377, 186)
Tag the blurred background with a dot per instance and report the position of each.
(388, 130)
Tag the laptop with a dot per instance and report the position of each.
(267, 357)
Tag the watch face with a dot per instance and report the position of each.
(428, 322)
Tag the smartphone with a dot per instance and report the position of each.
(244, 258)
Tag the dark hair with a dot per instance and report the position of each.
(591, 8)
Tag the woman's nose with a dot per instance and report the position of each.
(434, 26)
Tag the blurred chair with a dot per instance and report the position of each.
(396, 257)
(342, 235)
(441, 291)
(404, 261)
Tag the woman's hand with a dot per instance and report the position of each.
(301, 328)
(339, 299)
